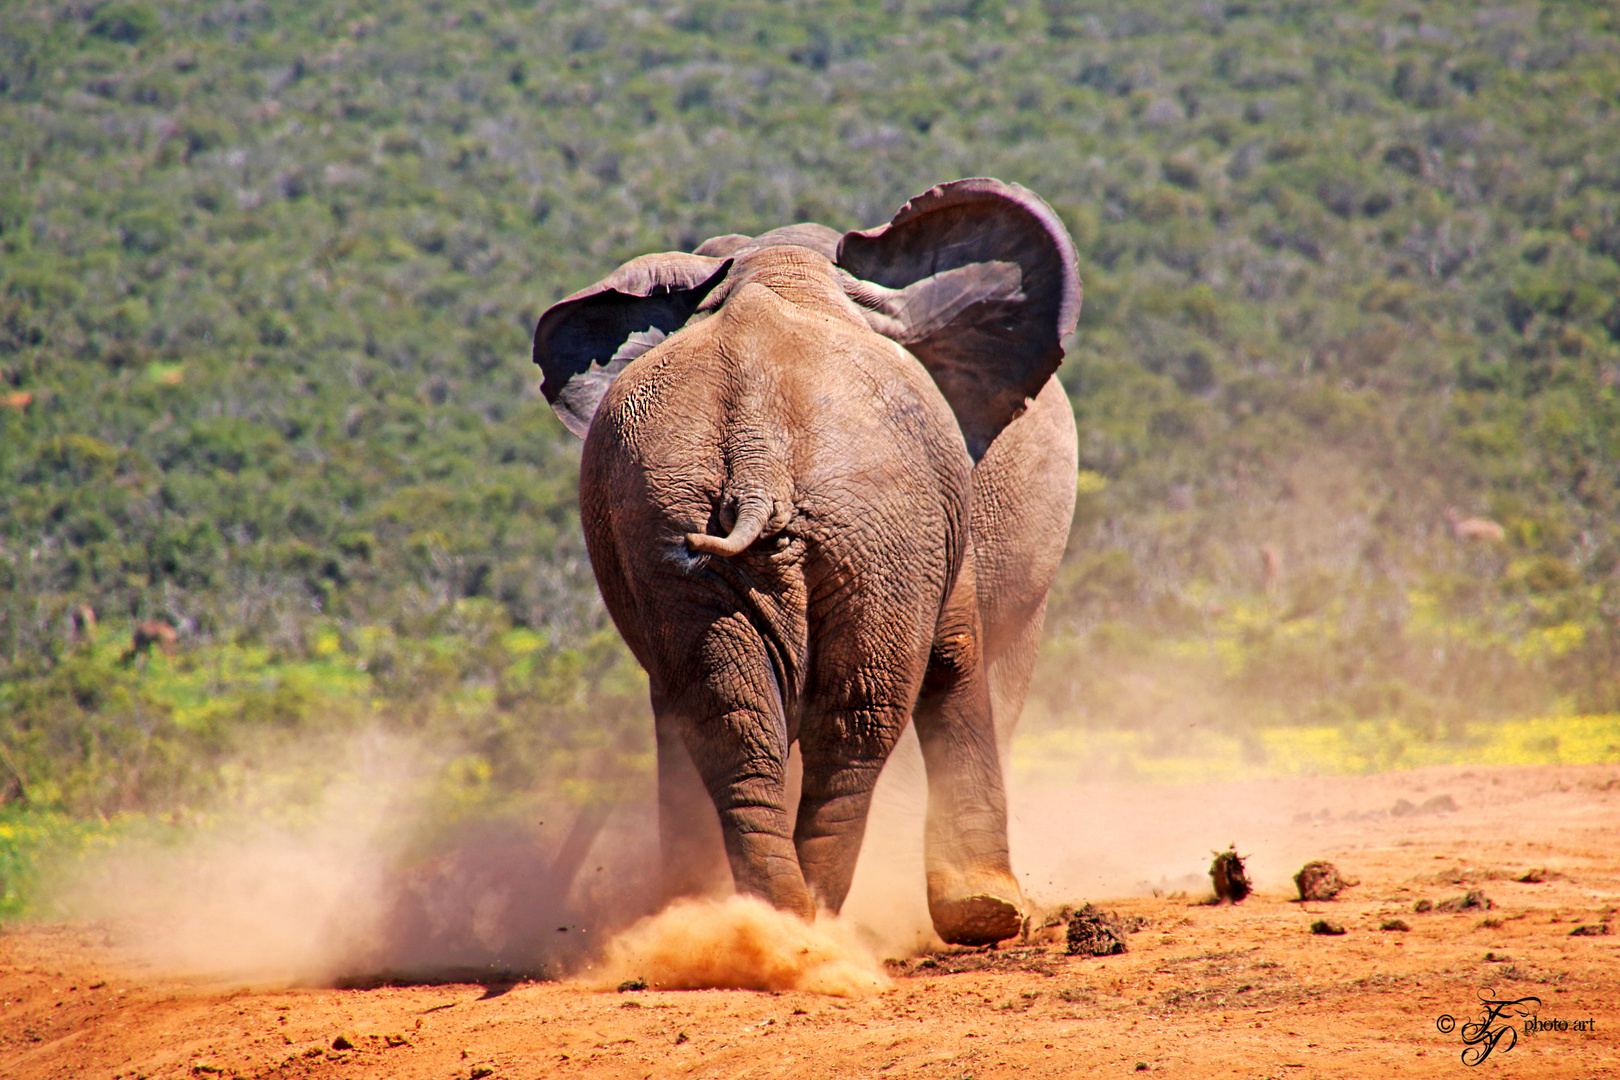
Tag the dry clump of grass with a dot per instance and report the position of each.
(1228, 876)
(1472, 900)
(1096, 933)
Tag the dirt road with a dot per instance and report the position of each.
(1244, 991)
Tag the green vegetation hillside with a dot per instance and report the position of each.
(268, 273)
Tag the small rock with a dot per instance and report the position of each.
(1423, 905)
(1536, 875)
(1319, 880)
(1394, 924)
(1324, 926)
(1227, 875)
(632, 984)
(1472, 900)
(1497, 958)
(1591, 930)
(345, 1041)
(681, 1037)
(478, 1072)
(1095, 933)
(396, 1039)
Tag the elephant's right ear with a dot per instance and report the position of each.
(979, 280)
(584, 341)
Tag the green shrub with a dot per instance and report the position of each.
(126, 23)
(269, 282)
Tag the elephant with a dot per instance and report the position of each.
(825, 484)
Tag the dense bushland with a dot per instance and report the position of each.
(268, 273)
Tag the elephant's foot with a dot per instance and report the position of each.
(977, 920)
(978, 909)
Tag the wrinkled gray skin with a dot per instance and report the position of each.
(808, 533)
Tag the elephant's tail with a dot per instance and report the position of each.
(753, 514)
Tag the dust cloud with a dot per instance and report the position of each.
(740, 942)
(888, 899)
(1097, 840)
(366, 882)
(371, 880)
(1092, 839)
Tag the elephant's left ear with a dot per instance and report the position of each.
(978, 279)
(584, 341)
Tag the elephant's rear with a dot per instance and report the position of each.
(776, 503)
(841, 442)
(818, 629)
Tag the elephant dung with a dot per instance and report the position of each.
(1226, 872)
(1319, 880)
(1095, 933)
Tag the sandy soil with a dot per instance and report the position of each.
(1245, 990)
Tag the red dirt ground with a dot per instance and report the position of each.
(1241, 991)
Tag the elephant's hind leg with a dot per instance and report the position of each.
(1009, 672)
(729, 717)
(843, 747)
(972, 896)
